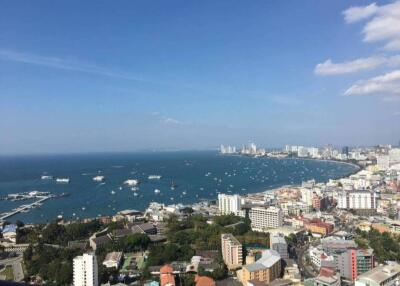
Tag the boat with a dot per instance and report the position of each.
(131, 182)
(157, 191)
(113, 192)
(98, 178)
(134, 189)
(173, 186)
(62, 180)
(46, 177)
(154, 177)
(135, 194)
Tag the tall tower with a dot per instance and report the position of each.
(85, 270)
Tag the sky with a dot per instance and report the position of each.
(94, 76)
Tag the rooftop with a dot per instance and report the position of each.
(381, 273)
(268, 259)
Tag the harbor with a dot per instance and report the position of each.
(39, 196)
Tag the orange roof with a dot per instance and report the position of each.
(166, 269)
(167, 280)
(204, 281)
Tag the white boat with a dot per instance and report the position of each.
(46, 177)
(131, 182)
(135, 194)
(134, 189)
(98, 179)
(62, 180)
(157, 191)
(113, 192)
(154, 177)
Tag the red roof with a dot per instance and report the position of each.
(204, 281)
(166, 269)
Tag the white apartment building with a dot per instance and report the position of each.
(307, 196)
(230, 204)
(302, 151)
(357, 200)
(85, 270)
(264, 218)
(319, 258)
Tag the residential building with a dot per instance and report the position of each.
(357, 199)
(327, 277)
(10, 232)
(278, 243)
(383, 275)
(266, 269)
(113, 259)
(231, 251)
(167, 277)
(204, 281)
(85, 270)
(318, 227)
(263, 218)
(230, 204)
(353, 262)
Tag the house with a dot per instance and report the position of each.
(99, 241)
(10, 232)
(113, 259)
(145, 228)
(167, 276)
(204, 281)
(265, 269)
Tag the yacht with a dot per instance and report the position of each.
(46, 177)
(62, 180)
(131, 182)
(154, 177)
(98, 178)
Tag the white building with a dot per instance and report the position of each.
(264, 218)
(357, 200)
(307, 196)
(113, 259)
(278, 243)
(319, 258)
(302, 151)
(230, 204)
(85, 270)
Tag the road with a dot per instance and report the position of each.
(306, 271)
(16, 263)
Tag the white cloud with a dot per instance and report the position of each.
(354, 14)
(64, 64)
(169, 120)
(383, 23)
(387, 84)
(330, 68)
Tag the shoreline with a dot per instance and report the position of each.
(248, 192)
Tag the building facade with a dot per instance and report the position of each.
(230, 204)
(231, 251)
(263, 218)
(85, 270)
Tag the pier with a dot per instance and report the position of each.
(3, 216)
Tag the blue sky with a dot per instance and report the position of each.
(79, 76)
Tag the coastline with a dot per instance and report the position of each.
(198, 200)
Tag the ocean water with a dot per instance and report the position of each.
(198, 175)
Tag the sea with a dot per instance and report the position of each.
(195, 175)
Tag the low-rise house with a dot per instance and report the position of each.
(10, 232)
(113, 259)
(99, 241)
(204, 281)
(265, 269)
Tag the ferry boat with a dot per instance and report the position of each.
(62, 180)
(131, 182)
(98, 179)
(154, 177)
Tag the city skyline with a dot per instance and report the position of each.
(93, 77)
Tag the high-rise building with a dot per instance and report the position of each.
(230, 204)
(278, 243)
(264, 218)
(85, 270)
(354, 262)
(231, 251)
(357, 199)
